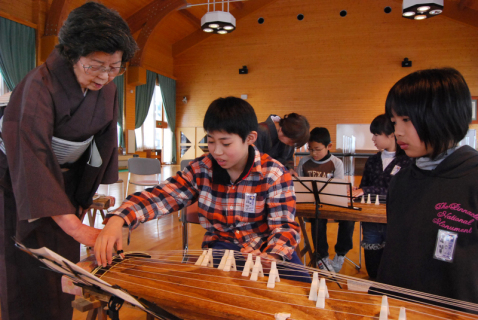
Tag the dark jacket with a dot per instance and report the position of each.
(375, 180)
(268, 142)
(421, 202)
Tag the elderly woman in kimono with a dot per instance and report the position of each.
(58, 143)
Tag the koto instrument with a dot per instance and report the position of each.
(190, 289)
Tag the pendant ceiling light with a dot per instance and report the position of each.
(419, 10)
(220, 21)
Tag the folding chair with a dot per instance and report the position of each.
(143, 172)
(184, 164)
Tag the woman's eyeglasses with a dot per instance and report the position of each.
(96, 70)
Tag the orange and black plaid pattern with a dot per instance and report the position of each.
(271, 227)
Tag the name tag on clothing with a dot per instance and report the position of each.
(395, 170)
(250, 203)
(445, 246)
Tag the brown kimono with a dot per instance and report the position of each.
(48, 103)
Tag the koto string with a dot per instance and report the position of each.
(284, 265)
(221, 292)
(128, 263)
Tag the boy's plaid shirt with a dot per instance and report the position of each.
(222, 207)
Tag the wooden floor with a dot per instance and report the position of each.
(165, 234)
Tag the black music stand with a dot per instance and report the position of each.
(82, 278)
(323, 191)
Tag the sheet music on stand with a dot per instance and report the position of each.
(329, 191)
(59, 264)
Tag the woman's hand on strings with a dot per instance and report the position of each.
(110, 236)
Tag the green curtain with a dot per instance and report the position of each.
(144, 94)
(168, 92)
(17, 51)
(119, 81)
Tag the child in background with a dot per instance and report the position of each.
(321, 163)
(246, 199)
(432, 206)
(379, 170)
(278, 137)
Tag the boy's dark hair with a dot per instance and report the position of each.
(295, 127)
(320, 135)
(232, 115)
(95, 28)
(438, 103)
(383, 125)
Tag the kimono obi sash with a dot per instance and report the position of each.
(65, 151)
(69, 151)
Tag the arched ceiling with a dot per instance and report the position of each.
(179, 24)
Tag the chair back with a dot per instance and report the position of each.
(144, 166)
(185, 163)
(143, 172)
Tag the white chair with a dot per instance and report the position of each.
(143, 172)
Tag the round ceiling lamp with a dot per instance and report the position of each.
(421, 9)
(220, 22)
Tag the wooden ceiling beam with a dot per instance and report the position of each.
(138, 19)
(56, 16)
(238, 5)
(158, 10)
(464, 4)
(460, 12)
(191, 18)
(199, 35)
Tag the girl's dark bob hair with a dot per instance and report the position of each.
(438, 102)
(231, 115)
(383, 125)
(295, 127)
(95, 28)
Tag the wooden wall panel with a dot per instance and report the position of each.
(331, 69)
(158, 56)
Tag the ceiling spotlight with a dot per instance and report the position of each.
(220, 22)
(421, 9)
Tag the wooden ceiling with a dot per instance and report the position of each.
(178, 22)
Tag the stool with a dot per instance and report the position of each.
(99, 204)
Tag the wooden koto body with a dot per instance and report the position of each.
(195, 292)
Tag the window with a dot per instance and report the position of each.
(155, 134)
(3, 86)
